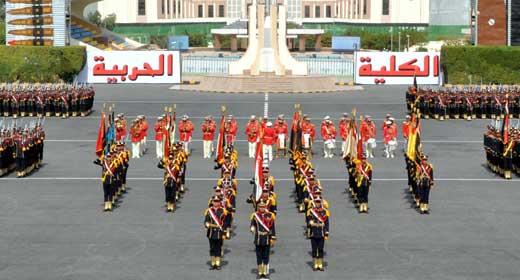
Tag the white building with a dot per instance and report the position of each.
(355, 11)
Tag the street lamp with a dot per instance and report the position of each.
(399, 45)
(407, 42)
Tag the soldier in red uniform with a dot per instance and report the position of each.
(120, 130)
(159, 129)
(308, 133)
(328, 134)
(344, 127)
(368, 136)
(136, 137)
(230, 130)
(405, 127)
(144, 134)
(390, 138)
(186, 128)
(268, 140)
(281, 131)
(253, 134)
(208, 133)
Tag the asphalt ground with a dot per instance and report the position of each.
(52, 225)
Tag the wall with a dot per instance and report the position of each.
(492, 34)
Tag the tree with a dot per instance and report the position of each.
(94, 17)
(109, 22)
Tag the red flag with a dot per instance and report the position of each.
(505, 125)
(259, 175)
(220, 141)
(166, 143)
(359, 141)
(100, 142)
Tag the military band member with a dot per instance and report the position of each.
(253, 129)
(328, 134)
(215, 229)
(186, 129)
(264, 231)
(281, 130)
(318, 224)
(208, 133)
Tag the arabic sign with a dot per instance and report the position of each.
(397, 68)
(140, 67)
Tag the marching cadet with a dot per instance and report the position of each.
(186, 128)
(368, 136)
(208, 133)
(171, 180)
(253, 129)
(425, 183)
(160, 129)
(268, 140)
(328, 134)
(390, 138)
(214, 223)
(226, 177)
(363, 182)
(264, 231)
(107, 178)
(281, 131)
(318, 224)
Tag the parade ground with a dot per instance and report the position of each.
(53, 225)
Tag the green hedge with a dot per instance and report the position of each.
(486, 65)
(40, 64)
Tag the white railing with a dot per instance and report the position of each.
(326, 66)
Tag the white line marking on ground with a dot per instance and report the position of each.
(248, 179)
(266, 105)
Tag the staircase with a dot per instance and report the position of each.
(91, 34)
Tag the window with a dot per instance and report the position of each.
(168, 6)
(210, 11)
(307, 11)
(365, 7)
(328, 11)
(386, 7)
(221, 10)
(317, 12)
(163, 9)
(141, 7)
(200, 11)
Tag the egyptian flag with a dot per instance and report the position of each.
(352, 141)
(295, 131)
(100, 142)
(259, 176)
(359, 141)
(414, 138)
(166, 140)
(221, 142)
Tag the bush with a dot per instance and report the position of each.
(382, 41)
(109, 22)
(159, 40)
(40, 64)
(487, 65)
(197, 39)
(2, 33)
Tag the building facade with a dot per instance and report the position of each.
(356, 11)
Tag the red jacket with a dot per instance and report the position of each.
(252, 131)
(308, 128)
(120, 132)
(185, 130)
(159, 130)
(269, 136)
(389, 133)
(136, 133)
(405, 127)
(144, 128)
(343, 129)
(230, 130)
(328, 131)
(368, 130)
(208, 130)
(281, 128)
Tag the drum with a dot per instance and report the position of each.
(392, 144)
(306, 140)
(372, 143)
(330, 144)
(281, 141)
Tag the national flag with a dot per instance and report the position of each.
(359, 141)
(100, 142)
(221, 141)
(259, 176)
(295, 131)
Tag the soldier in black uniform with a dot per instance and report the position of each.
(214, 223)
(424, 182)
(170, 182)
(318, 224)
(264, 231)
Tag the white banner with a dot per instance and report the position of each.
(397, 68)
(138, 67)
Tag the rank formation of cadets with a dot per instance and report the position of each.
(50, 100)
(21, 146)
(113, 158)
(174, 159)
(308, 193)
(218, 217)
